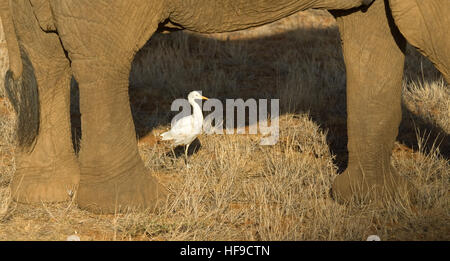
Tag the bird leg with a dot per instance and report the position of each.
(186, 156)
(173, 152)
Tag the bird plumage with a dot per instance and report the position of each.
(185, 130)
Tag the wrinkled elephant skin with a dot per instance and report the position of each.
(49, 41)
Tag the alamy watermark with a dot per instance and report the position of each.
(235, 122)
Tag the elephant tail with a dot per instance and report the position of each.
(23, 95)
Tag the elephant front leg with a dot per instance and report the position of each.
(47, 170)
(113, 176)
(374, 57)
(101, 45)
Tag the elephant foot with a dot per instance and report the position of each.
(138, 190)
(353, 186)
(55, 182)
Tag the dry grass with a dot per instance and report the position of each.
(236, 189)
(4, 63)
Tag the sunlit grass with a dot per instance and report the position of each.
(236, 189)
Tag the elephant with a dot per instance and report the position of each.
(49, 41)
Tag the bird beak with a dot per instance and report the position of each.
(204, 98)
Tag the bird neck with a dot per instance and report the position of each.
(197, 110)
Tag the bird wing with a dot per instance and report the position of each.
(182, 127)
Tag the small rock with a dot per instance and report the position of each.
(373, 238)
(73, 238)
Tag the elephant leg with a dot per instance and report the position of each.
(48, 172)
(425, 24)
(113, 176)
(374, 58)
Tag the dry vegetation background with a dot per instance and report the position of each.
(236, 189)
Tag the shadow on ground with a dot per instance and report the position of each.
(170, 66)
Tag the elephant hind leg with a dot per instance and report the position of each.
(374, 58)
(23, 95)
(426, 26)
(47, 170)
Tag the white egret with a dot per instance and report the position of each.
(185, 130)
